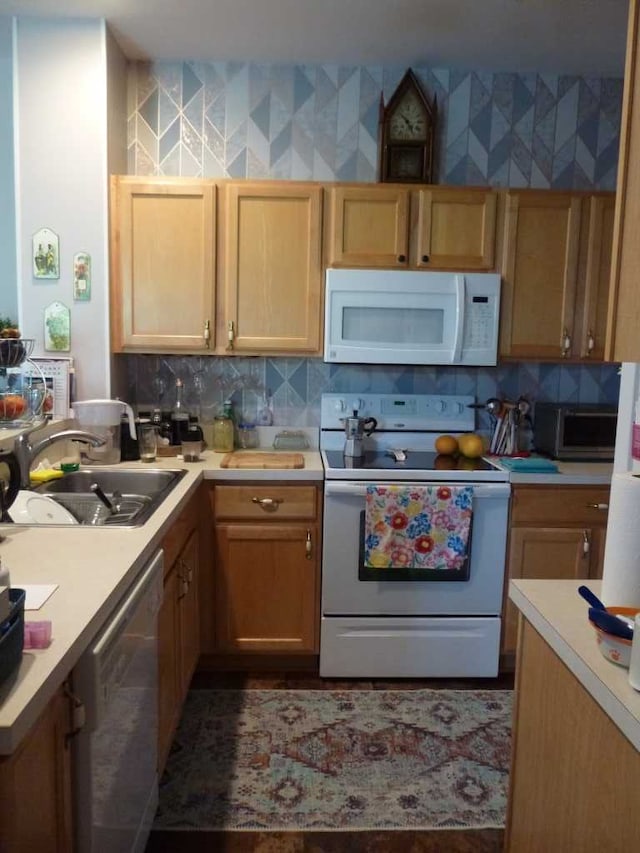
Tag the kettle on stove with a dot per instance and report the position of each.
(356, 429)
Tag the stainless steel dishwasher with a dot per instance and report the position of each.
(115, 750)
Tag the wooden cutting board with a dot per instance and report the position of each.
(256, 459)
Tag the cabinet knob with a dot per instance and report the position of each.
(207, 333)
(267, 503)
(402, 258)
(566, 343)
(307, 547)
(598, 506)
(586, 545)
(591, 342)
(425, 259)
(231, 333)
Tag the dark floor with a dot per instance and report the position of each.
(428, 841)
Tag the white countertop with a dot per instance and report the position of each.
(559, 614)
(94, 567)
(569, 474)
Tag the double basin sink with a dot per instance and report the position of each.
(134, 494)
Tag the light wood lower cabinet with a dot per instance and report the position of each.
(36, 809)
(178, 624)
(554, 533)
(267, 568)
(562, 795)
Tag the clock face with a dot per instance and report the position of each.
(406, 163)
(408, 121)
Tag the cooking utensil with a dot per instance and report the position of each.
(610, 623)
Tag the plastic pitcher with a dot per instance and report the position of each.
(103, 417)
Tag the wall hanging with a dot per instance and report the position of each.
(82, 277)
(46, 254)
(57, 328)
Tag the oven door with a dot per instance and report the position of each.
(344, 594)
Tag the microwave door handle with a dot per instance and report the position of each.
(456, 353)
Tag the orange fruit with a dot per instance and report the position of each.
(471, 445)
(446, 444)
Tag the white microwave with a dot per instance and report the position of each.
(406, 317)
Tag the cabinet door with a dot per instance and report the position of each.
(162, 264)
(591, 323)
(369, 227)
(189, 612)
(168, 667)
(35, 786)
(267, 587)
(542, 234)
(272, 268)
(546, 553)
(456, 229)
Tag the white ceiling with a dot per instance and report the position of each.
(555, 36)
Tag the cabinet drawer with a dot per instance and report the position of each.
(554, 507)
(265, 502)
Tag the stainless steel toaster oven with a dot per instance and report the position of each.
(575, 432)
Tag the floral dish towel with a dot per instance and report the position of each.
(419, 527)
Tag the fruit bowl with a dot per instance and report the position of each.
(13, 351)
(13, 406)
(613, 648)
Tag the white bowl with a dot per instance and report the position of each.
(30, 508)
(613, 648)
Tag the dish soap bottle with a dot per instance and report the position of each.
(223, 429)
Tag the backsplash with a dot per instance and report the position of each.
(295, 385)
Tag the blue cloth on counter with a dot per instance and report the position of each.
(529, 464)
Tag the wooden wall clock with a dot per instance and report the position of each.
(406, 134)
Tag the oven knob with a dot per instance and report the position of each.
(440, 406)
(339, 405)
(357, 405)
(459, 408)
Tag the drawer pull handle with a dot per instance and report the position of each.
(598, 506)
(307, 547)
(267, 503)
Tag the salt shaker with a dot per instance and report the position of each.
(634, 664)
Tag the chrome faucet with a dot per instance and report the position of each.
(26, 451)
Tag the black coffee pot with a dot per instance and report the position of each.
(9, 482)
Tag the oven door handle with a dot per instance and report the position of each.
(359, 490)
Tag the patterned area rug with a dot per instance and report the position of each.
(329, 759)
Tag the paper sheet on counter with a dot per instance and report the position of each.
(37, 594)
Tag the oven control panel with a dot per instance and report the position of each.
(401, 412)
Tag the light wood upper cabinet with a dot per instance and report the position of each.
(271, 268)
(623, 341)
(430, 228)
(162, 264)
(555, 272)
(539, 275)
(456, 229)
(368, 226)
(555, 533)
(590, 326)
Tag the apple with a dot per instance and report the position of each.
(12, 406)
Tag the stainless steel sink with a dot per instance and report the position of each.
(135, 494)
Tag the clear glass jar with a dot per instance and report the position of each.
(222, 434)
(247, 436)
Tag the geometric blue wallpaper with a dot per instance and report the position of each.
(249, 120)
(245, 120)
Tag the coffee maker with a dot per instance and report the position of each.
(356, 429)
